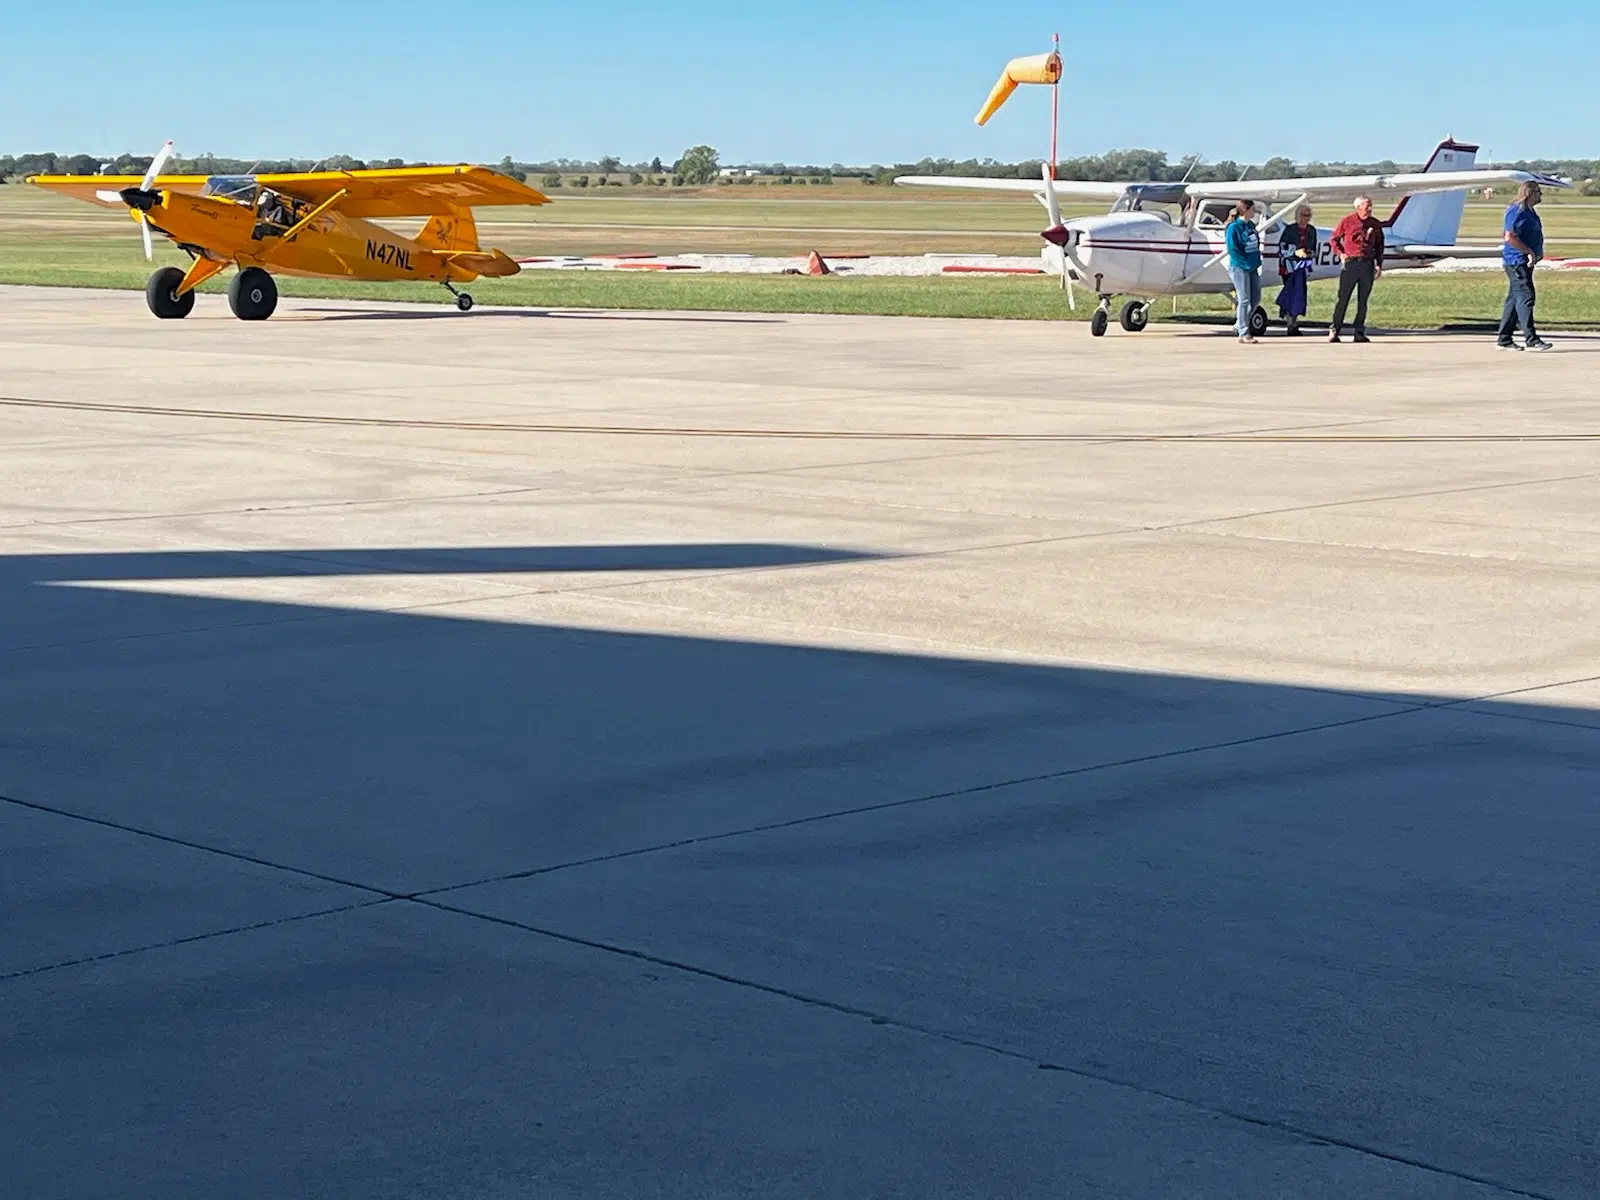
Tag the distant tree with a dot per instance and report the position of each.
(698, 165)
(635, 178)
(550, 181)
(655, 166)
(507, 167)
(395, 162)
(786, 180)
(677, 181)
(36, 164)
(581, 181)
(8, 165)
(610, 165)
(1276, 168)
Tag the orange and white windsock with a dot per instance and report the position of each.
(1040, 68)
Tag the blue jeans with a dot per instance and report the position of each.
(1520, 299)
(1247, 286)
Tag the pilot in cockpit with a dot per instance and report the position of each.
(272, 215)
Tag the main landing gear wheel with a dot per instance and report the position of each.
(1098, 322)
(252, 295)
(1135, 316)
(1258, 322)
(463, 301)
(161, 294)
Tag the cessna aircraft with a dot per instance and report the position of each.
(311, 224)
(1166, 239)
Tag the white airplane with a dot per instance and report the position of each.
(1166, 239)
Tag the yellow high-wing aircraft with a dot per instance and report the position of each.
(312, 224)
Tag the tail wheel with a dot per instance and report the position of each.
(161, 294)
(1135, 316)
(1098, 322)
(464, 302)
(252, 295)
(1258, 322)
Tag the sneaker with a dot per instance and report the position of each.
(1538, 344)
(1362, 338)
(1507, 346)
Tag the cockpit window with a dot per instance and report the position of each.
(240, 188)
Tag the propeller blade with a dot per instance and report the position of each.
(1051, 201)
(156, 163)
(144, 232)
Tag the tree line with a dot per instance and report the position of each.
(700, 165)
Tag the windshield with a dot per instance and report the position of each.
(240, 188)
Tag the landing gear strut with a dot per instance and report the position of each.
(1135, 316)
(463, 300)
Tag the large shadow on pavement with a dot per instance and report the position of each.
(1353, 923)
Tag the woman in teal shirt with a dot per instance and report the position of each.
(1244, 265)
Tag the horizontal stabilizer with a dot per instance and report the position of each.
(472, 263)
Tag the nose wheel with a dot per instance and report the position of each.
(1101, 319)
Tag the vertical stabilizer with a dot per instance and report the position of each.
(450, 231)
(1435, 219)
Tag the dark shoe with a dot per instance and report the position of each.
(1294, 331)
(1508, 346)
(1538, 344)
(1334, 336)
(1361, 337)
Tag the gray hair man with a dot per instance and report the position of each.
(1524, 247)
(1358, 241)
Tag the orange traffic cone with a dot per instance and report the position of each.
(815, 265)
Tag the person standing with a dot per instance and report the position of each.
(1358, 241)
(1244, 265)
(1297, 255)
(1524, 247)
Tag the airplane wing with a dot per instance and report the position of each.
(1347, 187)
(103, 189)
(1066, 189)
(396, 192)
(406, 191)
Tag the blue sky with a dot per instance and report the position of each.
(802, 81)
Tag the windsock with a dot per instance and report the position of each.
(1041, 68)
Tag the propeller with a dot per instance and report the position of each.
(143, 198)
(1058, 234)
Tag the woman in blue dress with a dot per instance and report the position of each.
(1297, 255)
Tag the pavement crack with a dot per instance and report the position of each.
(950, 1038)
(190, 939)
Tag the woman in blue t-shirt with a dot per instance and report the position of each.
(1244, 265)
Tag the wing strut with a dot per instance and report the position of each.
(309, 217)
(1275, 219)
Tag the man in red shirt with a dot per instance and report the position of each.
(1358, 240)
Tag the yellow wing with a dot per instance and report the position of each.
(394, 192)
(103, 189)
(407, 191)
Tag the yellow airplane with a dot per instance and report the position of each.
(314, 224)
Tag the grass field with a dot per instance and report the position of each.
(51, 240)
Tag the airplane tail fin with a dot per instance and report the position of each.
(452, 231)
(1435, 219)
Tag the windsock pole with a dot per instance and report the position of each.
(1055, 114)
